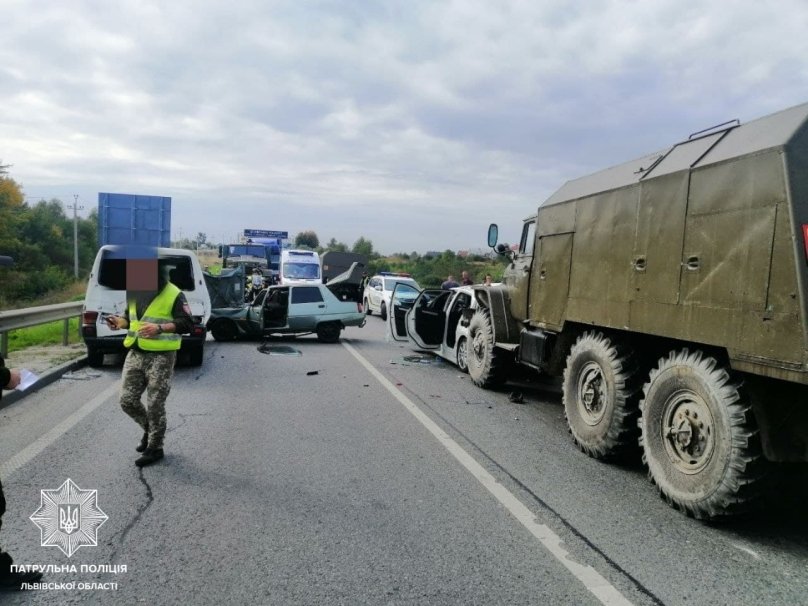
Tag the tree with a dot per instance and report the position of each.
(363, 247)
(307, 238)
(336, 246)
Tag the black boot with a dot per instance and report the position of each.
(14, 580)
(144, 442)
(149, 456)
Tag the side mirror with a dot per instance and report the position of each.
(493, 235)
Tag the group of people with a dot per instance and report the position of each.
(465, 280)
(156, 316)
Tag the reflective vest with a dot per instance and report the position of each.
(159, 311)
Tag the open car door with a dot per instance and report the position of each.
(421, 319)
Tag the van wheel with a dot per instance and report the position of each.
(462, 354)
(601, 394)
(223, 330)
(699, 437)
(383, 311)
(328, 332)
(197, 355)
(368, 311)
(95, 357)
(485, 361)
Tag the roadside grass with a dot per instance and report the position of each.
(44, 334)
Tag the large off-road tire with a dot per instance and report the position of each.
(486, 362)
(601, 396)
(223, 330)
(463, 354)
(383, 312)
(367, 308)
(95, 357)
(699, 437)
(328, 332)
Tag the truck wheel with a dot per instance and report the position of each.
(601, 391)
(95, 357)
(223, 330)
(196, 355)
(462, 354)
(383, 312)
(486, 362)
(328, 332)
(699, 437)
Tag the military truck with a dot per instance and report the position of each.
(671, 293)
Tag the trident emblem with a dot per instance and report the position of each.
(68, 518)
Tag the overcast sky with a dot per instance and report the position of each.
(412, 123)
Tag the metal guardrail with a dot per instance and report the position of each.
(33, 316)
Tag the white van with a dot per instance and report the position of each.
(300, 267)
(106, 295)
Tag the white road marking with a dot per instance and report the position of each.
(37, 446)
(751, 552)
(587, 575)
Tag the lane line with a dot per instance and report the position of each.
(591, 579)
(37, 446)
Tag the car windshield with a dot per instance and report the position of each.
(390, 283)
(301, 270)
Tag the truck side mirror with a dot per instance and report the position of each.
(493, 235)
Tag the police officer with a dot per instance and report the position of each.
(154, 321)
(9, 379)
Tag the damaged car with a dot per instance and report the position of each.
(434, 320)
(324, 310)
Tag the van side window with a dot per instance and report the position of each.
(306, 294)
(528, 239)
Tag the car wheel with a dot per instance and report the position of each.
(462, 354)
(383, 312)
(699, 437)
(223, 330)
(601, 395)
(197, 355)
(368, 311)
(328, 332)
(95, 357)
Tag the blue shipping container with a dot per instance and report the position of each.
(130, 219)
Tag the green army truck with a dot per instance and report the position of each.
(671, 293)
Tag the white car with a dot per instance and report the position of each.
(379, 289)
(434, 320)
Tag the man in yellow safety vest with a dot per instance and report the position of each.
(155, 318)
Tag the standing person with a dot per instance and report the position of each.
(9, 379)
(449, 283)
(155, 320)
(488, 280)
(465, 279)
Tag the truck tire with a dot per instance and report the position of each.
(328, 332)
(601, 395)
(486, 362)
(95, 357)
(223, 330)
(368, 310)
(699, 437)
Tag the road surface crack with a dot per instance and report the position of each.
(138, 515)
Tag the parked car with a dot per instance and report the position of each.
(434, 320)
(297, 309)
(106, 294)
(377, 293)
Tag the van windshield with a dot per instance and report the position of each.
(306, 271)
(112, 272)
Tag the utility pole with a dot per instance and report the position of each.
(75, 208)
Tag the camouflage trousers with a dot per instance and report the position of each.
(150, 371)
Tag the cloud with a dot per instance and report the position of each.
(350, 117)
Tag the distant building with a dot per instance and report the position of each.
(462, 254)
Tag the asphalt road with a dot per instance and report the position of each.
(381, 479)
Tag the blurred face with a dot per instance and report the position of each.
(141, 275)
